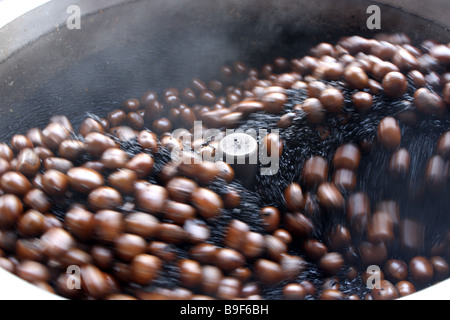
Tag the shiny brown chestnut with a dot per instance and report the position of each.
(385, 291)
(15, 183)
(6, 152)
(59, 164)
(274, 102)
(443, 145)
(178, 212)
(229, 259)
(405, 288)
(127, 246)
(381, 68)
(429, 102)
(298, 224)
(286, 120)
(114, 158)
(53, 134)
(28, 162)
(95, 282)
(31, 223)
(229, 288)
(30, 249)
(440, 267)
(362, 101)
(329, 196)
(356, 77)
(274, 247)
(373, 252)
(411, 236)
(254, 245)
(314, 249)
(55, 183)
(5, 166)
(161, 125)
(446, 92)
(268, 272)
(171, 233)
(84, 180)
(315, 171)
(392, 208)
(75, 256)
(394, 84)
(333, 70)
(273, 145)
(314, 110)
(151, 198)
(190, 273)
(141, 164)
(123, 133)
(405, 60)
(232, 199)
(148, 140)
(80, 222)
(332, 99)
(108, 225)
(180, 189)
(293, 196)
(141, 223)
(395, 270)
(204, 253)
(62, 120)
(339, 237)
(97, 143)
(123, 180)
(32, 271)
(72, 149)
(294, 291)
(56, 242)
(19, 142)
(236, 233)
(435, 171)
(389, 133)
(399, 162)
(344, 179)
(36, 199)
(35, 136)
(315, 88)
(165, 251)
(11, 208)
(196, 230)
(116, 118)
(207, 202)
(347, 156)
(421, 270)
(417, 78)
(331, 262)
(271, 217)
(90, 125)
(292, 266)
(381, 227)
(104, 198)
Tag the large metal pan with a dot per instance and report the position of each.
(125, 48)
